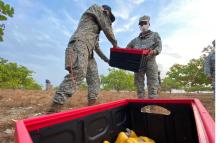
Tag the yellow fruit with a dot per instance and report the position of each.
(133, 134)
(142, 139)
(130, 133)
(122, 137)
(131, 140)
(106, 142)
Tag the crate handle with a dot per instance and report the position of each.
(155, 109)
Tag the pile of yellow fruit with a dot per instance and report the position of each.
(131, 137)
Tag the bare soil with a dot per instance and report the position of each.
(20, 104)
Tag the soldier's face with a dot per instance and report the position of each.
(143, 23)
(144, 26)
(106, 11)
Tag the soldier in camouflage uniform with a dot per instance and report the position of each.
(147, 40)
(80, 60)
(209, 67)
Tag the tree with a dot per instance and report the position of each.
(190, 76)
(118, 80)
(170, 83)
(16, 76)
(5, 11)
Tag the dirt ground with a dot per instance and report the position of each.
(20, 104)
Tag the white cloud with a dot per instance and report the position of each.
(137, 1)
(19, 37)
(124, 12)
(124, 8)
(195, 23)
(70, 18)
(170, 52)
(127, 26)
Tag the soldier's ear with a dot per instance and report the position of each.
(106, 12)
(102, 8)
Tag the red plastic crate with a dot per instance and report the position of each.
(189, 122)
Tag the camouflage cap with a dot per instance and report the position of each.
(106, 7)
(144, 18)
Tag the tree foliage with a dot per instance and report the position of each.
(5, 11)
(15, 76)
(170, 83)
(190, 77)
(118, 80)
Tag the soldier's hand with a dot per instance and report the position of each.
(151, 52)
(68, 69)
(107, 61)
(115, 45)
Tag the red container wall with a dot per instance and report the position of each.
(205, 125)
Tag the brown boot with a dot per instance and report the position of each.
(54, 108)
(91, 102)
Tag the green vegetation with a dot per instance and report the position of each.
(5, 11)
(16, 76)
(190, 77)
(118, 80)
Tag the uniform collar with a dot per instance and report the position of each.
(143, 35)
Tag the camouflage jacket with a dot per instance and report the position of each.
(147, 40)
(209, 65)
(91, 23)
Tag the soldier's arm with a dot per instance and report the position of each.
(104, 22)
(100, 53)
(158, 44)
(131, 44)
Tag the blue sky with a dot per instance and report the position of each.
(37, 35)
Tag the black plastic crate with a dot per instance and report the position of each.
(129, 59)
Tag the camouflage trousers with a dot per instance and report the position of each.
(83, 67)
(151, 73)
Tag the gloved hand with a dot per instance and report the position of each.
(68, 69)
(115, 45)
(107, 61)
(152, 52)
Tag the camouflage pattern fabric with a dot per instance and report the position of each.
(90, 25)
(147, 40)
(83, 42)
(159, 82)
(209, 68)
(144, 18)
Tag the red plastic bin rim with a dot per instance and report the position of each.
(31, 124)
(131, 51)
(47, 120)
